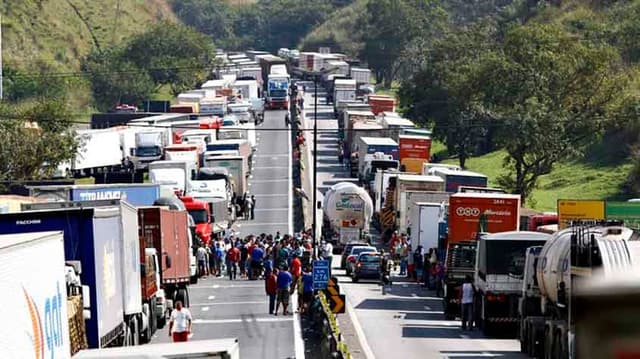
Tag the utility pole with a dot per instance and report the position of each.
(315, 165)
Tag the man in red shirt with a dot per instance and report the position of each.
(296, 270)
(233, 257)
(271, 286)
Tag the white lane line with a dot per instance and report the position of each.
(368, 353)
(298, 342)
(271, 155)
(270, 168)
(246, 224)
(206, 305)
(230, 321)
(204, 309)
(270, 181)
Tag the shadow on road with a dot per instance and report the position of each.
(399, 304)
(435, 331)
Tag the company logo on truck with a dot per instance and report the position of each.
(23, 222)
(97, 196)
(353, 203)
(475, 212)
(47, 332)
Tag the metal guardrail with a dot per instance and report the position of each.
(332, 344)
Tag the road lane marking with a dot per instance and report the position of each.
(368, 353)
(205, 305)
(204, 309)
(270, 181)
(247, 320)
(211, 297)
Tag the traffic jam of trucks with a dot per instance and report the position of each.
(119, 254)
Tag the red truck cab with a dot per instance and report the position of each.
(200, 212)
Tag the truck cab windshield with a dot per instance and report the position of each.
(278, 93)
(148, 151)
(199, 215)
(507, 257)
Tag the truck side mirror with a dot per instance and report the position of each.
(167, 261)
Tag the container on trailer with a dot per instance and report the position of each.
(405, 184)
(425, 220)
(33, 286)
(455, 178)
(135, 194)
(371, 145)
(473, 213)
(415, 151)
(381, 103)
(362, 76)
(89, 237)
(393, 125)
(215, 348)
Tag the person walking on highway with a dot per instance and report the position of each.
(287, 120)
(271, 287)
(327, 254)
(233, 257)
(253, 206)
(218, 255)
(467, 297)
(201, 255)
(180, 323)
(284, 280)
(418, 263)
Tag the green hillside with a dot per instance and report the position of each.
(58, 33)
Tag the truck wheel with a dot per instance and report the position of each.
(194, 279)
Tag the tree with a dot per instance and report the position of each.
(447, 94)
(172, 54)
(30, 151)
(214, 18)
(114, 80)
(390, 26)
(552, 94)
(20, 85)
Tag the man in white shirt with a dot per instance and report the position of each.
(468, 292)
(327, 253)
(180, 323)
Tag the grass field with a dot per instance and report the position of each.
(569, 180)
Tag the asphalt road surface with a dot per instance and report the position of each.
(228, 309)
(407, 322)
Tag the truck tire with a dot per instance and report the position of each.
(194, 279)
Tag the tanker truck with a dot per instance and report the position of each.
(566, 260)
(347, 213)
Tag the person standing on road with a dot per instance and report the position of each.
(201, 255)
(233, 257)
(271, 286)
(307, 290)
(467, 296)
(284, 286)
(253, 206)
(180, 323)
(327, 254)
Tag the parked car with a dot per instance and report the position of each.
(353, 256)
(347, 251)
(367, 266)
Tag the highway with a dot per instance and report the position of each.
(225, 309)
(408, 322)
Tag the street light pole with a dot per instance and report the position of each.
(315, 165)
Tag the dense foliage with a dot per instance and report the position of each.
(264, 25)
(166, 54)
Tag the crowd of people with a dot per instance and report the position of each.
(419, 264)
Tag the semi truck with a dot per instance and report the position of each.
(347, 213)
(277, 92)
(371, 146)
(213, 185)
(140, 325)
(199, 211)
(99, 150)
(149, 147)
(237, 167)
(173, 175)
(415, 151)
(90, 239)
(455, 179)
(570, 258)
(143, 194)
(35, 296)
(166, 231)
(500, 264)
(186, 152)
(425, 219)
(473, 213)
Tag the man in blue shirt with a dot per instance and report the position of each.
(219, 254)
(284, 286)
(256, 261)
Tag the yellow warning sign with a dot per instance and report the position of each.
(579, 210)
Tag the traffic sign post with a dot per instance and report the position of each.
(320, 274)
